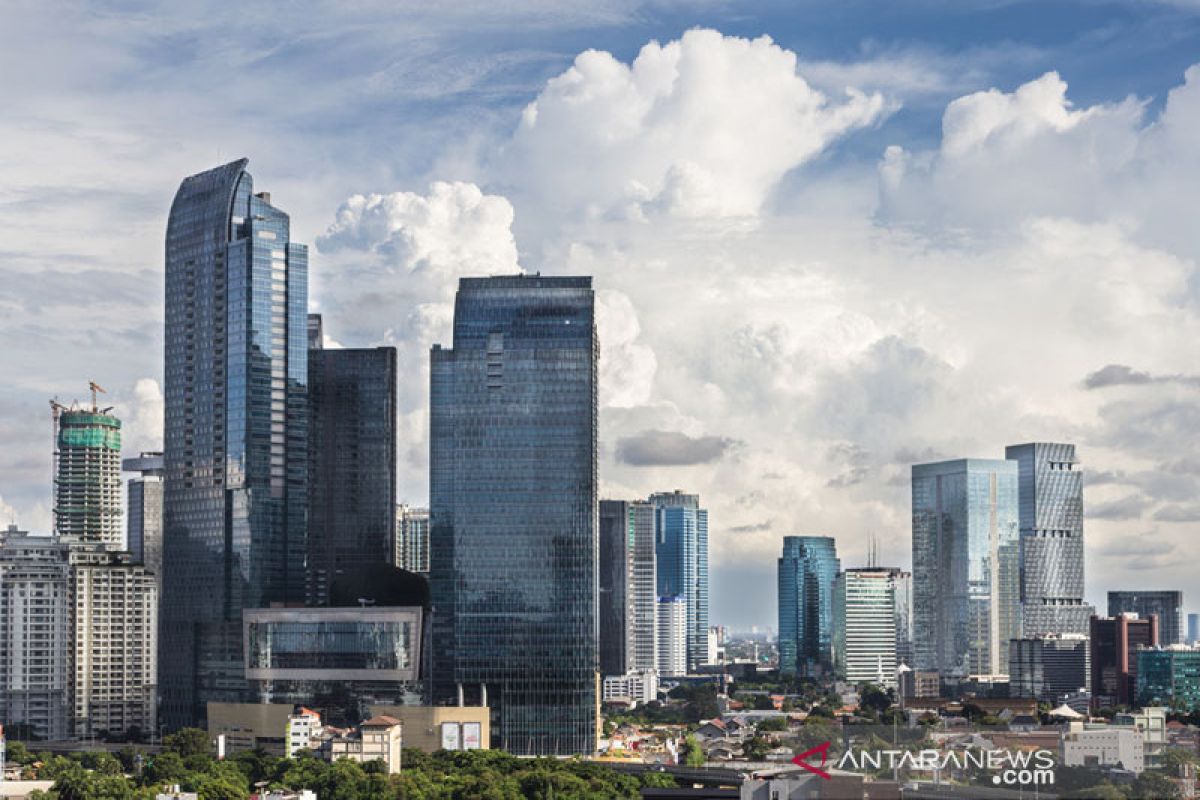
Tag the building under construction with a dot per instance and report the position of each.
(87, 473)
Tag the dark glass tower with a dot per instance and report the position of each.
(513, 419)
(352, 451)
(614, 587)
(235, 439)
(1050, 512)
(807, 570)
(1166, 604)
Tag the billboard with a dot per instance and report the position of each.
(450, 736)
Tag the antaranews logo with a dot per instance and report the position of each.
(1011, 767)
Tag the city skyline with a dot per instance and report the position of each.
(871, 282)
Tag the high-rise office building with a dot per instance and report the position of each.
(513, 509)
(672, 624)
(966, 566)
(614, 603)
(1114, 643)
(642, 593)
(1166, 605)
(864, 626)
(628, 587)
(1169, 676)
(1193, 625)
(412, 539)
(35, 634)
(1050, 668)
(87, 475)
(114, 615)
(352, 462)
(235, 497)
(902, 591)
(143, 516)
(681, 550)
(806, 573)
(1050, 517)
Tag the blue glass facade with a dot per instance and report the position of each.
(807, 570)
(352, 457)
(966, 565)
(235, 433)
(1050, 501)
(513, 509)
(681, 552)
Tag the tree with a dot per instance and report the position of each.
(1151, 785)
(773, 724)
(1101, 791)
(756, 747)
(873, 698)
(658, 780)
(693, 753)
(1175, 757)
(163, 768)
(189, 742)
(18, 753)
(763, 702)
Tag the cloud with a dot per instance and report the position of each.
(703, 126)
(455, 230)
(1145, 551)
(1116, 375)
(1179, 512)
(671, 448)
(1121, 375)
(1128, 507)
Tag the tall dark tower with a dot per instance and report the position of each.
(235, 438)
(513, 486)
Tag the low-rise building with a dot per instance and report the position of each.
(303, 731)
(378, 739)
(1103, 747)
(632, 688)
(430, 728)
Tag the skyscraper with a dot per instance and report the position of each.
(1193, 625)
(1050, 517)
(966, 566)
(235, 435)
(642, 592)
(36, 630)
(614, 587)
(1167, 605)
(903, 592)
(1114, 642)
(864, 626)
(513, 509)
(806, 573)
(681, 550)
(143, 529)
(87, 476)
(628, 587)
(352, 462)
(412, 539)
(672, 627)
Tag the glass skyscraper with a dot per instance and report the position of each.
(352, 461)
(1166, 604)
(235, 432)
(806, 574)
(513, 509)
(1050, 517)
(628, 587)
(966, 565)
(681, 550)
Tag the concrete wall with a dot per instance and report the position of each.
(423, 724)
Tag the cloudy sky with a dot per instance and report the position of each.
(829, 239)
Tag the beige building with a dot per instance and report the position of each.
(115, 621)
(249, 726)
(378, 739)
(429, 728)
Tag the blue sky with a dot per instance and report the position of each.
(920, 244)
